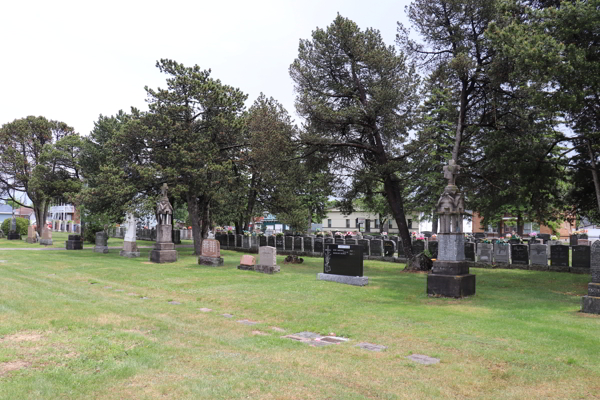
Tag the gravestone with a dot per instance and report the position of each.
(177, 236)
(469, 251)
(13, 234)
(485, 252)
(279, 245)
(46, 239)
(501, 253)
(389, 248)
(479, 235)
(239, 240)
(351, 241)
(343, 263)
(591, 302)
(211, 253)
(267, 260)
(101, 242)
(432, 246)
(74, 242)
(573, 240)
(365, 245)
(231, 240)
(319, 246)
(544, 236)
(519, 254)
(262, 241)
(298, 243)
(222, 239)
(271, 241)
(328, 240)
(539, 257)
(339, 240)
(580, 259)
(164, 248)
(308, 244)
(376, 248)
(418, 246)
(289, 243)
(559, 258)
(130, 249)
(514, 241)
(247, 262)
(583, 242)
(31, 235)
(245, 242)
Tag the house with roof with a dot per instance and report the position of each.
(5, 212)
(27, 213)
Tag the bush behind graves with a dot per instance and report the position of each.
(89, 233)
(22, 224)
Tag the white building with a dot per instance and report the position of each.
(62, 211)
(365, 222)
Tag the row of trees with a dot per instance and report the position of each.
(506, 88)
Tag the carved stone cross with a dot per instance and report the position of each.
(451, 172)
(164, 188)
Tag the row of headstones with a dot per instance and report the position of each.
(150, 234)
(535, 254)
(65, 226)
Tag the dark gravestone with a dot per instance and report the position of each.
(328, 240)
(559, 258)
(595, 261)
(222, 240)
(74, 243)
(339, 240)
(469, 251)
(573, 240)
(514, 241)
(319, 246)
(262, 241)
(544, 236)
(389, 248)
(591, 302)
(418, 246)
(271, 241)
(376, 248)
(239, 239)
(289, 243)
(246, 242)
(348, 237)
(479, 235)
(279, 242)
(308, 244)
(580, 257)
(351, 241)
(432, 246)
(343, 259)
(365, 245)
(177, 236)
(338, 236)
(519, 254)
(298, 243)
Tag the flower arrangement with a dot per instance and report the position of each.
(350, 233)
(246, 233)
(420, 237)
(553, 237)
(434, 236)
(328, 234)
(487, 241)
(580, 232)
(319, 234)
(533, 235)
(230, 231)
(384, 233)
(279, 234)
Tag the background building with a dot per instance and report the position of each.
(365, 222)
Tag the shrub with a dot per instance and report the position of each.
(22, 225)
(89, 234)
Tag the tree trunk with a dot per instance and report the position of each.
(41, 210)
(594, 173)
(394, 197)
(192, 202)
(205, 220)
(434, 222)
(500, 232)
(520, 225)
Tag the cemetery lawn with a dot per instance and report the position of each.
(83, 325)
(59, 239)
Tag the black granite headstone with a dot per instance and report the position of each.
(376, 248)
(573, 240)
(580, 256)
(432, 246)
(479, 235)
(389, 248)
(279, 242)
(262, 241)
(319, 246)
(308, 244)
(544, 236)
(418, 246)
(559, 255)
(365, 245)
(328, 240)
(470, 251)
(339, 240)
(348, 237)
(519, 254)
(298, 243)
(350, 241)
(400, 249)
(289, 243)
(343, 259)
(514, 241)
(271, 241)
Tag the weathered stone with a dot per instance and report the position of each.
(538, 254)
(485, 252)
(590, 305)
(31, 235)
(501, 253)
(441, 267)
(422, 359)
(130, 250)
(371, 347)
(164, 248)
(420, 262)
(451, 247)
(46, 239)
(451, 285)
(101, 242)
(75, 242)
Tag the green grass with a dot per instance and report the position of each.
(64, 335)
(59, 238)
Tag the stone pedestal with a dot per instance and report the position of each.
(130, 250)
(101, 243)
(449, 275)
(163, 253)
(210, 261)
(74, 243)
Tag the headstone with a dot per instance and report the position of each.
(376, 248)
(339, 240)
(343, 263)
(389, 248)
(591, 302)
(351, 241)
(573, 240)
(31, 235)
(328, 240)
(246, 242)
(13, 234)
(469, 251)
(319, 246)
(74, 242)
(519, 254)
(583, 242)
(308, 244)
(262, 241)
(279, 242)
(418, 246)
(289, 243)
(46, 239)
(365, 245)
(501, 253)
(544, 236)
(267, 263)
(271, 241)
(485, 252)
(247, 262)
(177, 236)
(298, 243)
(432, 246)
(580, 259)
(101, 242)
(130, 249)
(539, 257)
(239, 239)
(211, 253)
(164, 248)
(559, 258)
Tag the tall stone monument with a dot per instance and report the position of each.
(450, 276)
(13, 234)
(591, 303)
(164, 248)
(130, 248)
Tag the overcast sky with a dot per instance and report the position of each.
(74, 60)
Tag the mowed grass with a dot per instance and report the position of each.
(59, 239)
(74, 324)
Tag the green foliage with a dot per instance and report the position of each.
(22, 225)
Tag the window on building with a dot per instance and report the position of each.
(409, 223)
(390, 225)
(347, 223)
(376, 224)
(329, 223)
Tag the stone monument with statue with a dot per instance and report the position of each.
(450, 276)
(13, 234)
(130, 248)
(164, 248)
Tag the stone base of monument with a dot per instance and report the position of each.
(580, 270)
(246, 267)
(14, 236)
(210, 261)
(130, 250)
(31, 240)
(46, 242)
(267, 269)
(74, 243)
(163, 253)
(590, 304)
(450, 279)
(558, 268)
(347, 280)
(101, 249)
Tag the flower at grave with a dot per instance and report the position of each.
(246, 233)
(533, 234)
(421, 237)
(279, 234)
(349, 233)
(434, 236)
(553, 237)
(384, 233)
